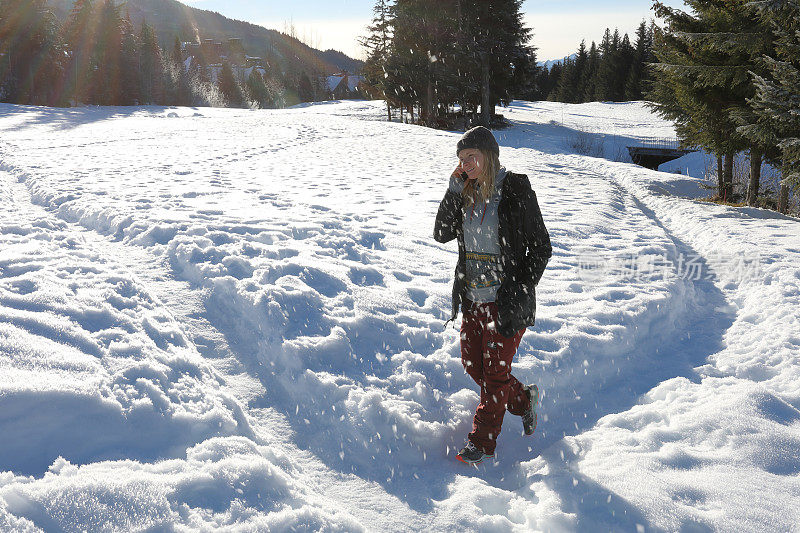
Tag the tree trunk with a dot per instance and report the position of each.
(755, 176)
(727, 186)
(388, 111)
(783, 195)
(487, 97)
(429, 100)
(720, 176)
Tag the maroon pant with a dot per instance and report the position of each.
(486, 356)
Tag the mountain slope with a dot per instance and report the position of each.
(171, 18)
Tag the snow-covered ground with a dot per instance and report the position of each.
(230, 319)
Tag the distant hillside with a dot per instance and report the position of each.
(344, 62)
(171, 18)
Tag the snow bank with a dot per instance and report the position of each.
(93, 368)
(223, 483)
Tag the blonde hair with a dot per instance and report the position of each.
(472, 190)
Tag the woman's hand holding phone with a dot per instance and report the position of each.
(460, 174)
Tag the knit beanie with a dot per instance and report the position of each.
(478, 137)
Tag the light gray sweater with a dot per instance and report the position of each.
(482, 242)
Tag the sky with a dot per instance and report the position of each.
(558, 25)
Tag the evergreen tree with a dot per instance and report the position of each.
(777, 97)
(229, 87)
(606, 70)
(150, 66)
(257, 89)
(725, 47)
(626, 56)
(732, 41)
(129, 64)
(588, 83)
(642, 56)
(467, 51)
(614, 71)
(566, 85)
(556, 72)
(744, 39)
(506, 59)
(696, 86)
(305, 89)
(407, 67)
(572, 73)
(108, 51)
(31, 64)
(426, 31)
(540, 88)
(177, 53)
(179, 76)
(378, 46)
(79, 34)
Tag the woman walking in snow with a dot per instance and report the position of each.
(503, 249)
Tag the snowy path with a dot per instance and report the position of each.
(239, 316)
(176, 299)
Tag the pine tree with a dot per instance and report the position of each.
(614, 71)
(129, 64)
(642, 56)
(257, 89)
(305, 89)
(734, 42)
(108, 51)
(777, 97)
(150, 66)
(31, 64)
(588, 82)
(540, 88)
(229, 87)
(556, 72)
(743, 39)
(627, 58)
(177, 53)
(697, 83)
(506, 59)
(378, 46)
(179, 77)
(457, 51)
(79, 33)
(572, 73)
(604, 84)
(567, 85)
(407, 68)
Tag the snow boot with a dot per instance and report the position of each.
(529, 416)
(471, 454)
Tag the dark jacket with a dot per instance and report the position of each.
(524, 251)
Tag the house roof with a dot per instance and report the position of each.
(353, 81)
(334, 81)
